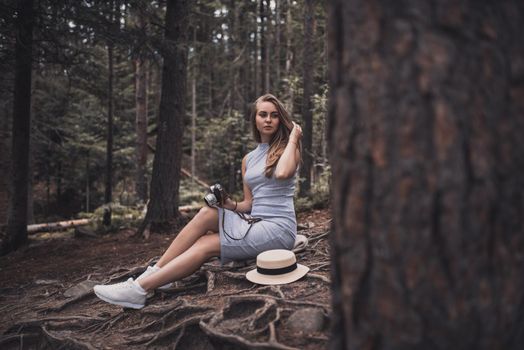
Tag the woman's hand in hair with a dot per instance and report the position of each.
(296, 133)
(290, 158)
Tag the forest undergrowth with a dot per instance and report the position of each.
(46, 298)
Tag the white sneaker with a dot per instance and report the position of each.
(125, 294)
(151, 270)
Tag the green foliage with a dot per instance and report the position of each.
(191, 193)
(121, 217)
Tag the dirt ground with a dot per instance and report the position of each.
(46, 298)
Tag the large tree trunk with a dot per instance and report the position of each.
(425, 130)
(17, 212)
(307, 114)
(5, 153)
(163, 206)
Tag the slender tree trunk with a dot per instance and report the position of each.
(307, 114)
(193, 113)
(267, 54)
(58, 182)
(30, 194)
(16, 234)
(88, 185)
(277, 47)
(109, 143)
(48, 183)
(141, 93)
(256, 44)
(163, 206)
(289, 58)
(425, 129)
(289, 32)
(263, 67)
(141, 70)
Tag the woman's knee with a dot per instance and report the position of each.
(208, 246)
(208, 212)
(208, 217)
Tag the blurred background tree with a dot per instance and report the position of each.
(425, 129)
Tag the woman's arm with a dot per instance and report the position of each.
(245, 205)
(290, 158)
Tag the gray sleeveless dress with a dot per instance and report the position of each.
(272, 202)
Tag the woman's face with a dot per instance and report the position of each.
(267, 120)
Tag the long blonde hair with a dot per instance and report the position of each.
(280, 138)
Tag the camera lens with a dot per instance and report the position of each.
(210, 199)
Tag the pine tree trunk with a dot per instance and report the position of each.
(289, 58)
(267, 54)
(277, 47)
(256, 47)
(88, 184)
(141, 94)
(193, 114)
(109, 141)
(307, 115)
(289, 30)
(163, 206)
(425, 129)
(16, 234)
(262, 78)
(141, 70)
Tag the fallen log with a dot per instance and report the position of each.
(186, 208)
(55, 226)
(62, 225)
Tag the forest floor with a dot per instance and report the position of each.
(46, 297)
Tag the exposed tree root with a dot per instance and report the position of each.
(246, 323)
(170, 324)
(45, 333)
(106, 325)
(215, 308)
(318, 236)
(320, 277)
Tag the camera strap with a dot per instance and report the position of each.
(250, 220)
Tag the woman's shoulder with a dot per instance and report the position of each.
(250, 155)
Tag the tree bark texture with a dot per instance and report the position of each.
(163, 205)
(17, 211)
(425, 128)
(5, 160)
(307, 114)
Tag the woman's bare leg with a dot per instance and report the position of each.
(184, 264)
(205, 220)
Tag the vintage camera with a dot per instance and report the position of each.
(216, 196)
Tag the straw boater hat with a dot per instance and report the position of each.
(277, 266)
